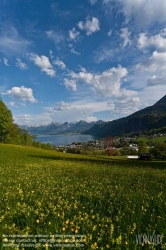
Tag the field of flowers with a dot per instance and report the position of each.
(62, 201)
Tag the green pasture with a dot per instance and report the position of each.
(157, 139)
(99, 202)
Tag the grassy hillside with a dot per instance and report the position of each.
(108, 200)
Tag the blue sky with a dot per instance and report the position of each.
(81, 59)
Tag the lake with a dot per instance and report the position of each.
(64, 139)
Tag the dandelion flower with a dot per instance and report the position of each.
(95, 244)
(67, 222)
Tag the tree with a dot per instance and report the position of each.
(9, 131)
(108, 146)
(13, 136)
(143, 148)
(108, 142)
(159, 150)
(6, 121)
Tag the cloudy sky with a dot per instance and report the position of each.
(67, 60)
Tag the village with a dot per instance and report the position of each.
(101, 146)
(130, 147)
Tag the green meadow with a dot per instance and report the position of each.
(92, 202)
(160, 139)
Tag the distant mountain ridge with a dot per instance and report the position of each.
(152, 117)
(59, 128)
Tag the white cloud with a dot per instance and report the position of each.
(12, 104)
(163, 32)
(5, 61)
(83, 113)
(151, 95)
(82, 76)
(126, 106)
(106, 53)
(143, 12)
(125, 34)
(62, 106)
(142, 41)
(74, 35)
(70, 84)
(51, 54)
(34, 119)
(20, 64)
(75, 52)
(24, 118)
(126, 103)
(107, 83)
(43, 63)
(89, 26)
(55, 36)
(91, 119)
(155, 81)
(21, 93)
(93, 2)
(158, 41)
(72, 50)
(11, 43)
(49, 72)
(155, 63)
(109, 32)
(59, 63)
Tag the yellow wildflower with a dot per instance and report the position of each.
(95, 244)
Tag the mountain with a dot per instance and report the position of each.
(44, 129)
(150, 118)
(58, 128)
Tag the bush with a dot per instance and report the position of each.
(112, 152)
(74, 150)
